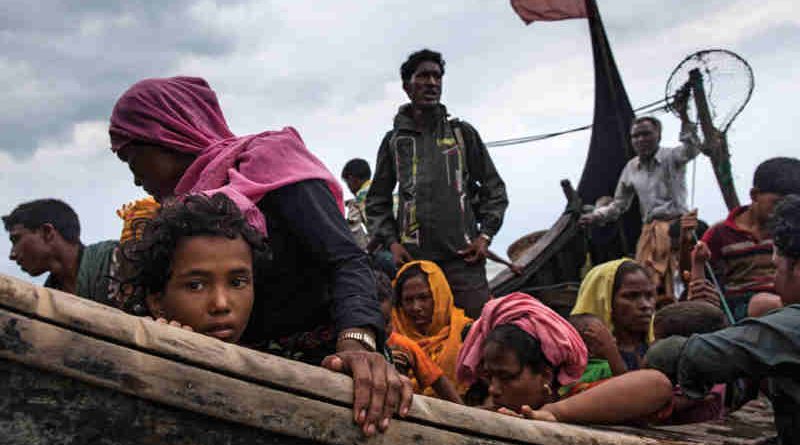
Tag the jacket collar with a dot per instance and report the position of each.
(404, 119)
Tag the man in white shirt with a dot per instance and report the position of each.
(657, 176)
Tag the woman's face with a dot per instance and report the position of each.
(634, 303)
(156, 169)
(512, 385)
(417, 303)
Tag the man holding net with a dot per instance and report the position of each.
(657, 176)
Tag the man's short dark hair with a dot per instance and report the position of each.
(357, 168)
(778, 175)
(653, 120)
(786, 226)
(413, 61)
(197, 215)
(35, 214)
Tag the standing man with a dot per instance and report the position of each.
(657, 175)
(451, 199)
(45, 237)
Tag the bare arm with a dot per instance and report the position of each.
(616, 363)
(446, 390)
(690, 143)
(686, 242)
(626, 398)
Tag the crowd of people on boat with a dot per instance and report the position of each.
(249, 239)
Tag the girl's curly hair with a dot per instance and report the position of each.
(149, 259)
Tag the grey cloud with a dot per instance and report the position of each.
(72, 60)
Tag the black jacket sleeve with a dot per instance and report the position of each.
(492, 200)
(380, 203)
(309, 212)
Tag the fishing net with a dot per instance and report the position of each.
(727, 80)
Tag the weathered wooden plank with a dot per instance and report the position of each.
(535, 255)
(753, 424)
(43, 408)
(211, 354)
(108, 365)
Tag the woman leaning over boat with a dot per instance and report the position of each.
(172, 134)
(524, 351)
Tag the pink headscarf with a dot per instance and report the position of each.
(182, 113)
(561, 343)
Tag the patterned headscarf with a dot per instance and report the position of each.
(134, 214)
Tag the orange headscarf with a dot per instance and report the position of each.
(134, 214)
(443, 341)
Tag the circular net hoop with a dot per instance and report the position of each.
(727, 79)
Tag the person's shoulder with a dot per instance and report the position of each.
(388, 136)
(630, 165)
(102, 246)
(465, 125)
(712, 233)
(792, 309)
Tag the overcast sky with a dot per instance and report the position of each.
(330, 69)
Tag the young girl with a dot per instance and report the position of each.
(193, 267)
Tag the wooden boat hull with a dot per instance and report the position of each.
(74, 371)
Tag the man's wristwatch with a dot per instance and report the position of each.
(488, 238)
(366, 340)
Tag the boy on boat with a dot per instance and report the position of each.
(741, 246)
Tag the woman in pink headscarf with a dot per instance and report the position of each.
(524, 352)
(172, 134)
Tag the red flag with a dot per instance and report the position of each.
(534, 10)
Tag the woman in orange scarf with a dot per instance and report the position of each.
(424, 312)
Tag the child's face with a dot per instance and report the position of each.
(210, 288)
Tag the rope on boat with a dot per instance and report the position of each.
(659, 106)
